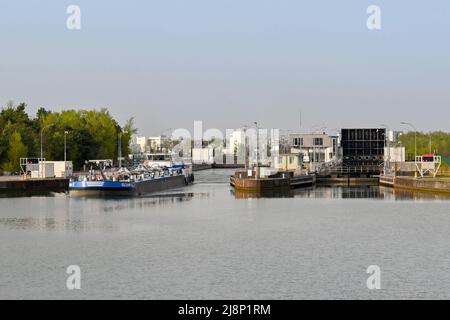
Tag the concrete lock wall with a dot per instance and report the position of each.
(242, 182)
(435, 185)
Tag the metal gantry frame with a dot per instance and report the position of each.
(26, 161)
(424, 165)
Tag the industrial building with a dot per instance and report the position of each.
(363, 147)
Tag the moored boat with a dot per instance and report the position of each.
(136, 182)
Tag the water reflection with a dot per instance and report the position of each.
(238, 194)
(148, 201)
(54, 224)
(81, 215)
(340, 192)
(401, 194)
(345, 192)
(6, 193)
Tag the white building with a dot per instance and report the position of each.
(37, 168)
(235, 142)
(395, 153)
(138, 144)
(61, 169)
(287, 162)
(314, 147)
(394, 136)
(241, 146)
(156, 144)
(203, 155)
(142, 143)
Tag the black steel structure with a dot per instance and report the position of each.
(363, 148)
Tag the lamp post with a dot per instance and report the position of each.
(430, 142)
(244, 129)
(65, 146)
(387, 162)
(314, 142)
(257, 151)
(119, 148)
(42, 153)
(415, 143)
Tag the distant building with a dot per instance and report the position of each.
(236, 142)
(142, 143)
(138, 144)
(394, 136)
(241, 146)
(156, 144)
(363, 147)
(395, 153)
(314, 147)
(287, 162)
(203, 155)
(235, 146)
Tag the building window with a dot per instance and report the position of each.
(298, 142)
(318, 141)
(291, 160)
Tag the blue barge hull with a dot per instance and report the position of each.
(118, 188)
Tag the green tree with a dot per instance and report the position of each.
(127, 131)
(14, 118)
(437, 142)
(16, 151)
(91, 134)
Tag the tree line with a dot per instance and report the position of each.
(89, 134)
(437, 142)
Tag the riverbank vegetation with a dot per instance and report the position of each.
(90, 134)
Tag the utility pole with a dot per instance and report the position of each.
(42, 166)
(65, 146)
(245, 147)
(257, 152)
(430, 142)
(119, 150)
(387, 161)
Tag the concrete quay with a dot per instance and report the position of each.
(428, 184)
(205, 166)
(282, 182)
(18, 184)
(351, 181)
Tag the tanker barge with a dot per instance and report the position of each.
(124, 182)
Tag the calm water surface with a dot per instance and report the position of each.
(203, 242)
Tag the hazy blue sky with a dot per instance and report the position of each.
(231, 62)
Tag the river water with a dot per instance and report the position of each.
(204, 242)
